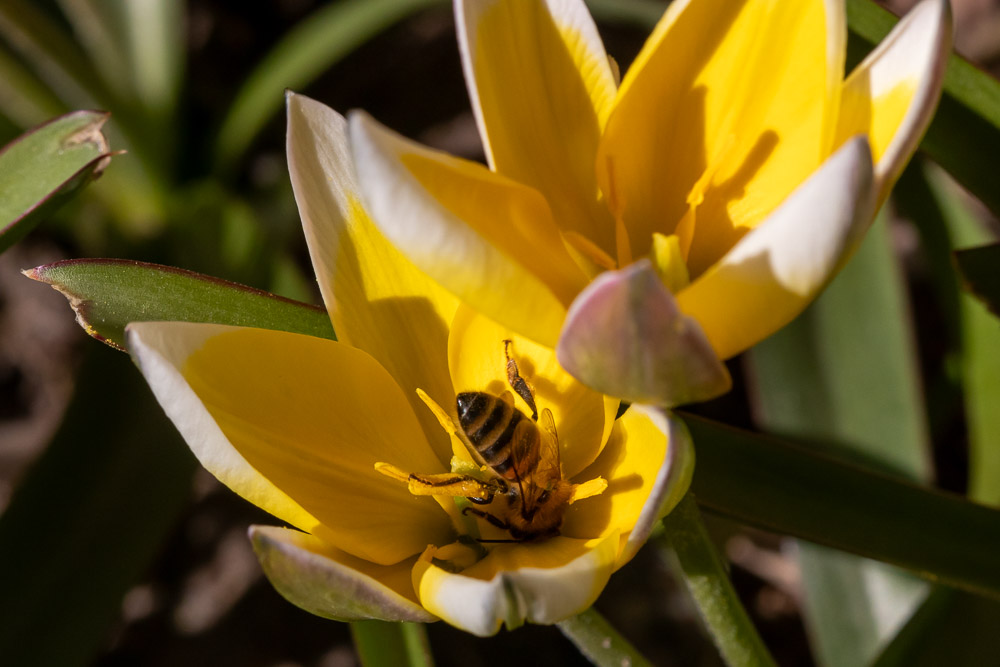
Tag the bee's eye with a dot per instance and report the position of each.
(543, 497)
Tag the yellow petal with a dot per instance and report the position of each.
(372, 291)
(268, 411)
(583, 417)
(542, 582)
(648, 463)
(489, 240)
(779, 267)
(891, 96)
(541, 87)
(726, 109)
(330, 583)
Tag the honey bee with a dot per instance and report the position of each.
(525, 489)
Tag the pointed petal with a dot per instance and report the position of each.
(489, 240)
(624, 336)
(648, 464)
(583, 417)
(891, 96)
(295, 424)
(373, 293)
(779, 267)
(541, 88)
(330, 583)
(540, 582)
(726, 108)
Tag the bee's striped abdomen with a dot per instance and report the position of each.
(489, 423)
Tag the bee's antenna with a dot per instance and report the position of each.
(510, 541)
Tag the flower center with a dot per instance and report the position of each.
(516, 484)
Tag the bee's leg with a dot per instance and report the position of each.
(502, 525)
(482, 500)
(517, 382)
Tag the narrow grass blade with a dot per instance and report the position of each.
(313, 46)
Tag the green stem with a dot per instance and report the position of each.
(600, 642)
(705, 574)
(383, 643)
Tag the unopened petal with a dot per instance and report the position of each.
(295, 424)
(541, 87)
(891, 96)
(648, 464)
(328, 582)
(779, 267)
(625, 336)
(540, 582)
(371, 290)
(726, 109)
(582, 416)
(489, 240)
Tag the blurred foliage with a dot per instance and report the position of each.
(895, 370)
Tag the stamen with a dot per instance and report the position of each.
(586, 252)
(622, 244)
(623, 248)
(686, 227)
(446, 423)
(588, 489)
(668, 260)
(392, 471)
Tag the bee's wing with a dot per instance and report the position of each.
(524, 449)
(549, 463)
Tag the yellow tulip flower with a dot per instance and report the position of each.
(302, 427)
(734, 162)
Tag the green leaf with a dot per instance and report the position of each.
(980, 269)
(950, 626)
(107, 294)
(964, 136)
(788, 489)
(316, 44)
(845, 372)
(382, 643)
(89, 517)
(42, 168)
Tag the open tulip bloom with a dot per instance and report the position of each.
(328, 436)
(654, 228)
(650, 229)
